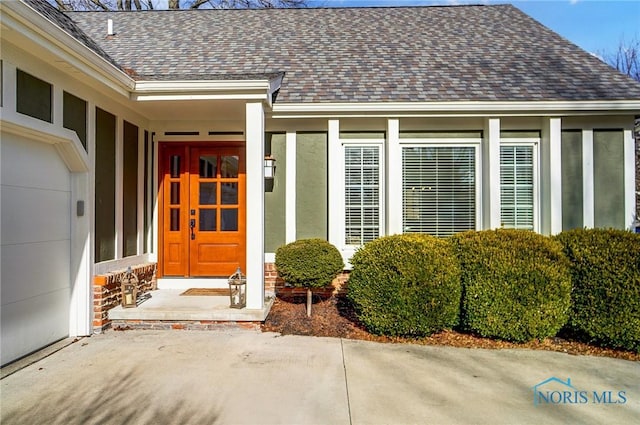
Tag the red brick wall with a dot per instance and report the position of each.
(107, 292)
(274, 283)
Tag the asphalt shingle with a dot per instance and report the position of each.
(403, 54)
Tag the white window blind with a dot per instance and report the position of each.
(362, 194)
(439, 189)
(517, 187)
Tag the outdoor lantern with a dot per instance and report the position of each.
(269, 167)
(129, 286)
(238, 289)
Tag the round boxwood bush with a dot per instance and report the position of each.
(605, 272)
(405, 285)
(308, 263)
(515, 284)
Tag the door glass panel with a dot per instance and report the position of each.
(229, 167)
(175, 193)
(229, 220)
(207, 220)
(229, 194)
(175, 166)
(175, 219)
(208, 166)
(208, 193)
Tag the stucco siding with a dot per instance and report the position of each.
(608, 157)
(311, 186)
(274, 197)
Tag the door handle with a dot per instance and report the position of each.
(192, 225)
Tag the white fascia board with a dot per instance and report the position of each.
(203, 90)
(399, 109)
(19, 17)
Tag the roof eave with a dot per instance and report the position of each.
(167, 90)
(29, 23)
(462, 108)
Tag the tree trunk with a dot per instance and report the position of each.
(308, 302)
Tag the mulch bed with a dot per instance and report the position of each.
(334, 317)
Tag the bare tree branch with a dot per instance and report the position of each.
(174, 4)
(626, 58)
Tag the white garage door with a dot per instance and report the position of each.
(35, 198)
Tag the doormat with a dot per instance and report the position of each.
(212, 292)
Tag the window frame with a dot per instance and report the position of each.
(349, 249)
(534, 143)
(472, 142)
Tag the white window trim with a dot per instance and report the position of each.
(444, 142)
(535, 143)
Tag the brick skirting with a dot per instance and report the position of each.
(107, 292)
(275, 284)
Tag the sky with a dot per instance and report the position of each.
(595, 25)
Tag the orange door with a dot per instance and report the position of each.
(204, 210)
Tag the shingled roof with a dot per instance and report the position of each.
(397, 54)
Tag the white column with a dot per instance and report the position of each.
(629, 179)
(336, 186)
(551, 176)
(491, 175)
(81, 307)
(394, 178)
(140, 190)
(290, 185)
(588, 196)
(255, 204)
(119, 241)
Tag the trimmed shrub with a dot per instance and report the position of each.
(405, 285)
(605, 271)
(309, 263)
(515, 284)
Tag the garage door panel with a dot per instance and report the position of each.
(44, 168)
(33, 215)
(29, 324)
(49, 275)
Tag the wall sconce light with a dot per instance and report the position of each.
(269, 167)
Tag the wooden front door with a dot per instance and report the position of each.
(203, 210)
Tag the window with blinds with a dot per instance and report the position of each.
(517, 187)
(439, 189)
(362, 194)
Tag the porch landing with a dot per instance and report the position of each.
(168, 305)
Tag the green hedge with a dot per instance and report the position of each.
(515, 284)
(405, 285)
(605, 270)
(309, 263)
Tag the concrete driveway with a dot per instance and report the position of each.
(248, 377)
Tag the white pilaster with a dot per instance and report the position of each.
(394, 178)
(141, 201)
(80, 309)
(588, 196)
(290, 195)
(551, 176)
(255, 204)
(491, 172)
(119, 237)
(336, 186)
(629, 179)
(57, 106)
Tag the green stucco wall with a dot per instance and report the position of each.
(572, 191)
(274, 196)
(608, 164)
(311, 186)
